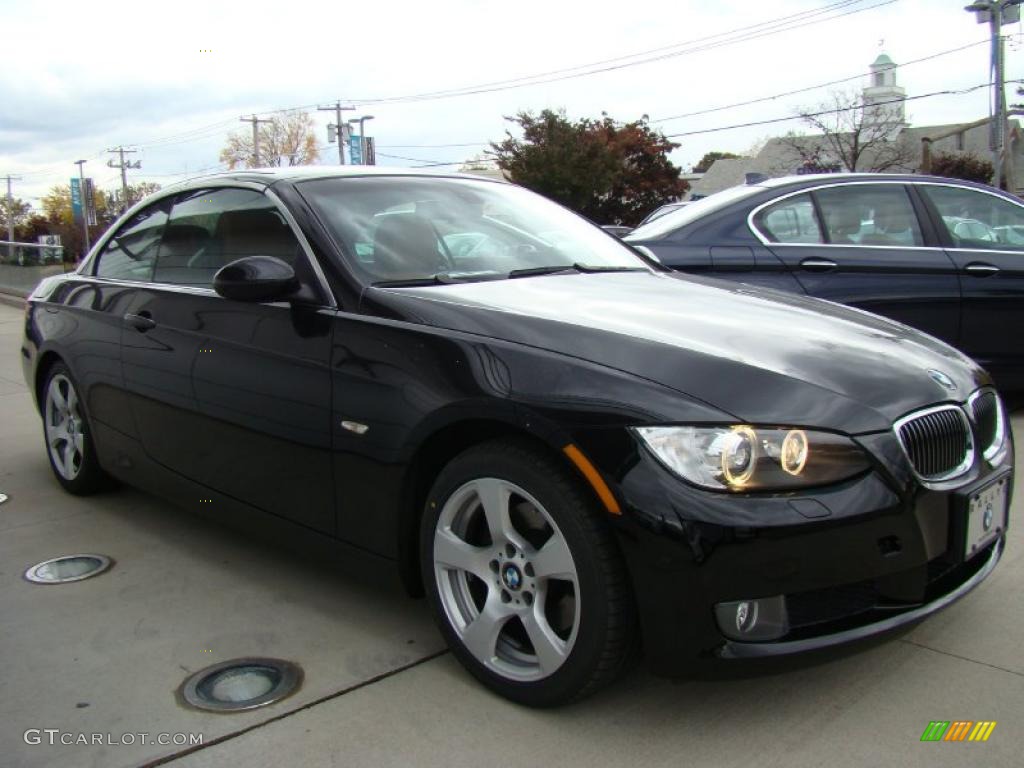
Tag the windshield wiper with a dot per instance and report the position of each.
(576, 267)
(441, 278)
(534, 271)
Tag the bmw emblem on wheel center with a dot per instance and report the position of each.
(512, 577)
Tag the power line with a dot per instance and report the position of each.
(827, 112)
(710, 42)
(765, 29)
(695, 45)
(185, 136)
(812, 87)
(435, 146)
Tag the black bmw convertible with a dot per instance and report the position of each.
(570, 450)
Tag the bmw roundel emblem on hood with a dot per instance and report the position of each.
(941, 378)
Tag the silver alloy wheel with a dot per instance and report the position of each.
(64, 427)
(506, 579)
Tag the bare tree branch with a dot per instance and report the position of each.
(846, 135)
(286, 140)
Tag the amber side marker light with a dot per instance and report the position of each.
(593, 477)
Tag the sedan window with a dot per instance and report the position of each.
(209, 228)
(130, 254)
(976, 219)
(790, 221)
(869, 214)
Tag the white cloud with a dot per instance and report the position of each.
(129, 72)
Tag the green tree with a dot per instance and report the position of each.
(709, 159)
(58, 212)
(612, 173)
(57, 204)
(962, 165)
(288, 139)
(29, 230)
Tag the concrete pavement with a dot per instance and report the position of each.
(106, 655)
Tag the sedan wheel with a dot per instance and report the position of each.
(64, 427)
(527, 583)
(69, 443)
(506, 578)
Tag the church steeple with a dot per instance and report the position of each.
(883, 99)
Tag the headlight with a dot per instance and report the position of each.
(745, 458)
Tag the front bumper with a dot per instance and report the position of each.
(978, 569)
(856, 560)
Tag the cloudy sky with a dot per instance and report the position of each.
(173, 79)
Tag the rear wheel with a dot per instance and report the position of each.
(69, 443)
(526, 581)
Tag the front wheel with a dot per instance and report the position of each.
(525, 579)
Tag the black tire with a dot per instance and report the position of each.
(605, 634)
(89, 478)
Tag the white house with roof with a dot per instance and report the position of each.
(884, 107)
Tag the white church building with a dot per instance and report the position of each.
(883, 115)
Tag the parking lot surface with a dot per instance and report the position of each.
(106, 655)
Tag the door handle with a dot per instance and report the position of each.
(980, 269)
(818, 265)
(140, 322)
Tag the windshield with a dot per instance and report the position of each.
(671, 221)
(405, 229)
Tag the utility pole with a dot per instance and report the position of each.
(996, 13)
(123, 166)
(255, 137)
(85, 206)
(337, 110)
(10, 215)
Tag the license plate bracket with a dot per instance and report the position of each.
(980, 516)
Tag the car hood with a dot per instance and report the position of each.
(763, 356)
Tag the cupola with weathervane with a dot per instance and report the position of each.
(883, 99)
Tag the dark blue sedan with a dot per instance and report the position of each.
(942, 255)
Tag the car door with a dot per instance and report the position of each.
(93, 310)
(863, 244)
(982, 233)
(234, 395)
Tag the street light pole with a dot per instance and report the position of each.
(85, 207)
(362, 136)
(995, 12)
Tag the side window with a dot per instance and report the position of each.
(131, 253)
(975, 219)
(790, 221)
(209, 228)
(869, 214)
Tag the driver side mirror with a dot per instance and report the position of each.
(256, 278)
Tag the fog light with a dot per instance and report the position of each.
(241, 684)
(753, 620)
(61, 570)
(746, 617)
